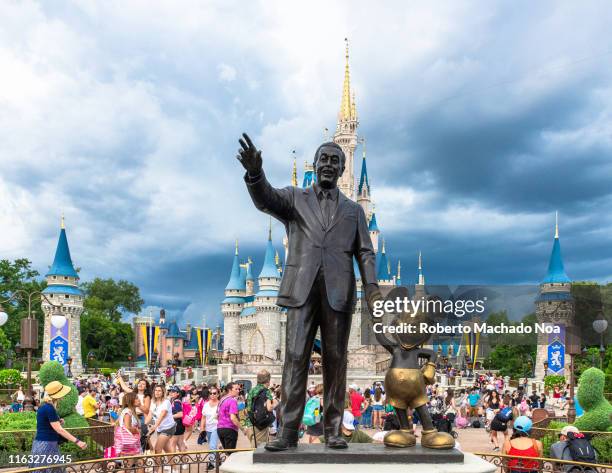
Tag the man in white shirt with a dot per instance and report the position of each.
(79, 406)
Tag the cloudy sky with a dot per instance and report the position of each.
(481, 119)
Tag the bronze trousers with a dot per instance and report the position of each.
(302, 324)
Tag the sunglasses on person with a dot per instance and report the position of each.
(213, 392)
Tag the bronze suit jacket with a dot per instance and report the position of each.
(312, 245)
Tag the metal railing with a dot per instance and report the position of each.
(508, 463)
(19, 442)
(185, 462)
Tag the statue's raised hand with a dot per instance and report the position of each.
(249, 156)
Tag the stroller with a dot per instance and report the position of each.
(444, 423)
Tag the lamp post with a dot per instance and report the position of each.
(573, 349)
(545, 368)
(69, 361)
(600, 325)
(91, 356)
(29, 332)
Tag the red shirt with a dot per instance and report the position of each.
(356, 400)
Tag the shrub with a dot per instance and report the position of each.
(9, 378)
(53, 371)
(597, 410)
(553, 380)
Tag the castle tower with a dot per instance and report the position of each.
(346, 132)
(231, 307)
(383, 271)
(62, 290)
(419, 287)
(250, 280)
(374, 230)
(398, 280)
(363, 189)
(554, 306)
(265, 337)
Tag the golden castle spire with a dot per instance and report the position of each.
(236, 246)
(346, 108)
(62, 223)
(556, 224)
(294, 181)
(399, 269)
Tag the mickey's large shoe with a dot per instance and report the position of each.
(400, 439)
(335, 441)
(280, 444)
(438, 440)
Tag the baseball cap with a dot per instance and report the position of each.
(354, 386)
(174, 389)
(569, 428)
(523, 424)
(347, 421)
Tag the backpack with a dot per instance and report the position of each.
(505, 414)
(189, 414)
(312, 411)
(580, 448)
(259, 415)
(476, 424)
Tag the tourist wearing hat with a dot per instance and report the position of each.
(521, 445)
(49, 427)
(560, 450)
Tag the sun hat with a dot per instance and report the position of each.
(567, 429)
(348, 421)
(523, 424)
(56, 390)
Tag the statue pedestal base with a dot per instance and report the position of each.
(358, 458)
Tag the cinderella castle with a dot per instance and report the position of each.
(254, 326)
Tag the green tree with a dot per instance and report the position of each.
(111, 298)
(19, 275)
(102, 330)
(516, 359)
(110, 341)
(5, 348)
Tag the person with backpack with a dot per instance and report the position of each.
(312, 415)
(499, 423)
(259, 404)
(573, 446)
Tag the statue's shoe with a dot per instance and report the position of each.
(335, 441)
(280, 444)
(400, 439)
(434, 439)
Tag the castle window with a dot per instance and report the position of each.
(66, 296)
(54, 277)
(65, 278)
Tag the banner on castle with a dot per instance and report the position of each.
(58, 349)
(204, 341)
(150, 337)
(556, 350)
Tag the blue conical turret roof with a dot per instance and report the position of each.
(249, 274)
(62, 263)
(556, 271)
(382, 272)
(363, 180)
(269, 269)
(373, 225)
(234, 281)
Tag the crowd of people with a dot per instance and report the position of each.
(162, 417)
